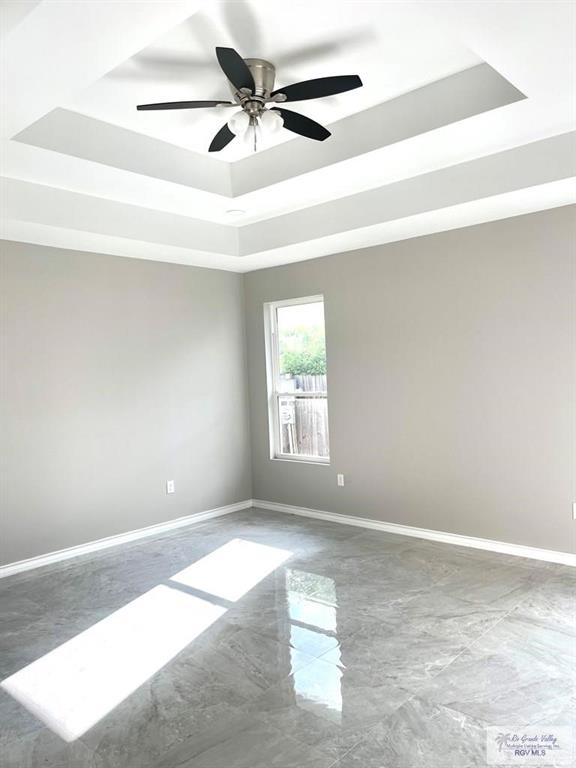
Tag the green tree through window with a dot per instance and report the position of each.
(303, 352)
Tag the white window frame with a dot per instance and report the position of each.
(273, 377)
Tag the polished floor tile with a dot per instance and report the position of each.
(247, 743)
(443, 616)
(354, 649)
(505, 686)
(177, 705)
(421, 735)
(43, 748)
(308, 706)
(551, 605)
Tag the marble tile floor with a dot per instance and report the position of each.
(359, 650)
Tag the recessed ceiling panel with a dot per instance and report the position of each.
(392, 46)
(456, 97)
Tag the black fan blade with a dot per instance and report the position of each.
(222, 138)
(235, 68)
(322, 86)
(303, 125)
(183, 104)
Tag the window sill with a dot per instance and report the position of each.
(311, 460)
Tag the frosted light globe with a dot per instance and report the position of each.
(271, 121)
(239, 122)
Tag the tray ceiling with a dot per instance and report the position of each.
(466, 109)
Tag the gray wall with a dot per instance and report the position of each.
(450, 381)
(450, 388)
(117, 374)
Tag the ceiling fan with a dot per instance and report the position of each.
(252, 83)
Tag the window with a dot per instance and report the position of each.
(297, 389)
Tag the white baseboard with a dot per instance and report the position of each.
(122, 538)
(519, 550)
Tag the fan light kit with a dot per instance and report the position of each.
(252, 84)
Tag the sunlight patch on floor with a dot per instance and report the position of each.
(73, 687)
(234, 569)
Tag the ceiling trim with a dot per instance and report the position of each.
(507, 183)
(459, 96)
(518, 203)
(129, 247)
(70, 133)
(23, 201)
(528, 166)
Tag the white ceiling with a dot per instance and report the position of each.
(467, 114)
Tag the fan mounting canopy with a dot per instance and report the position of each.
(264, 74)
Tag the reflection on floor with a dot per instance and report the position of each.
(261, 640)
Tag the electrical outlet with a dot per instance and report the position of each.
(340, 480)
(170, 486)
(574, 510)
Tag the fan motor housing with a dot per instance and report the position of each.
(264, 74)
